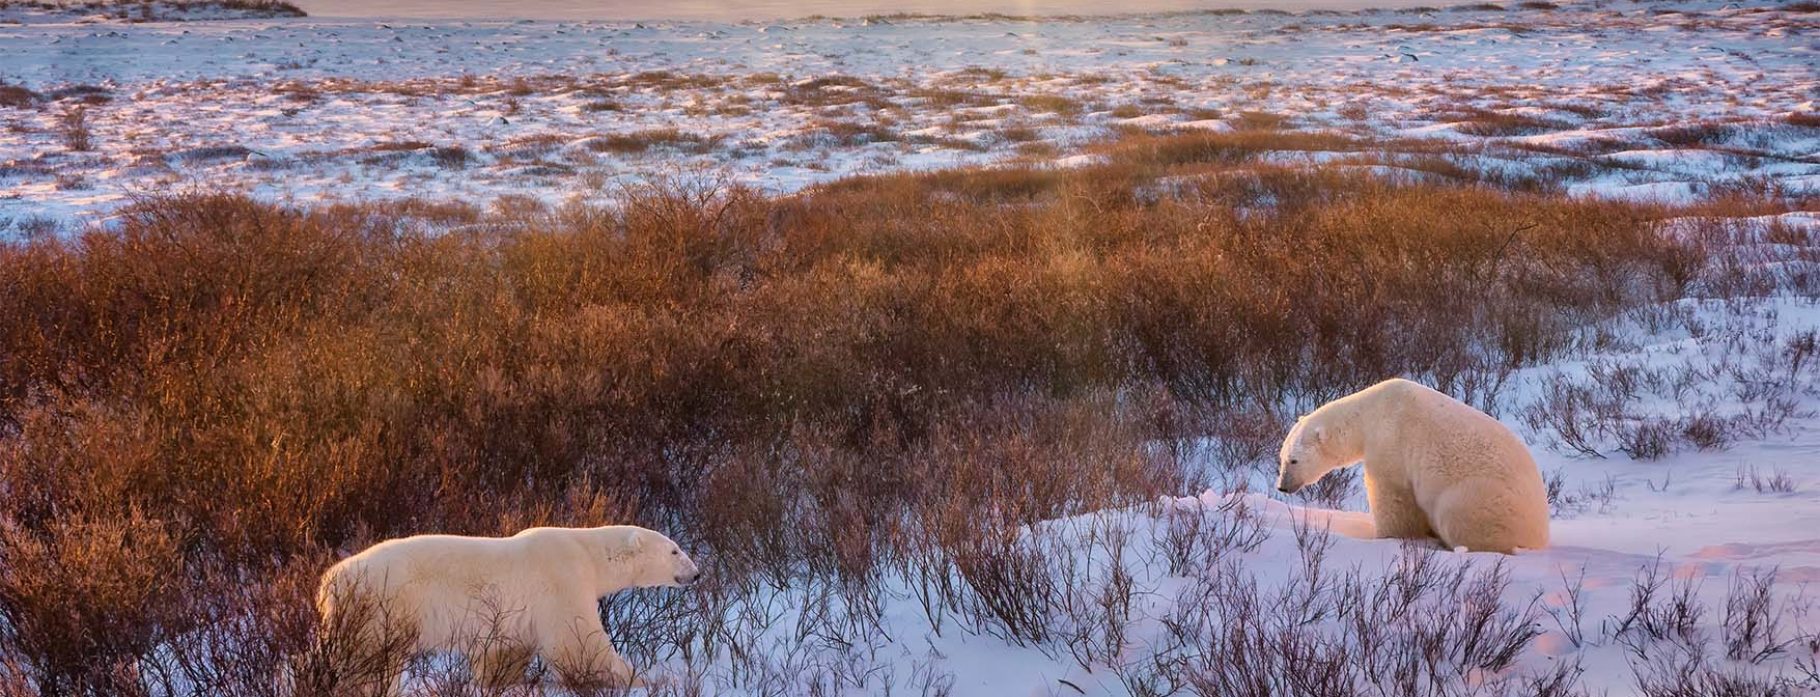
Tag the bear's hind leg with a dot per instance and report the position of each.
(500, 667)
(1464, 517)
(360, 650)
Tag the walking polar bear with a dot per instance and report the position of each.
(499, 601)
(1434, 467)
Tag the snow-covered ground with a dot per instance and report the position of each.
(1664, 100)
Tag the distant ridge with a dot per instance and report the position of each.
(133, 11)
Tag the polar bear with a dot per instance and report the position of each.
(499, 601)
(1434, 467)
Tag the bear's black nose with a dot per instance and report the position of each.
(1284, 488)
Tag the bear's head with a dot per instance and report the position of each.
(657, 561)
(1307, 455)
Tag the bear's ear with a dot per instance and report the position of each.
(635, 539)
(1315, 434)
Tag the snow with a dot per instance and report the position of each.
(310, 99)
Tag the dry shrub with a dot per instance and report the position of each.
(849, 134)
(637, 142)
(835, 90)
(17, 97)
(90, 95)
(1051, 103)
(1177, 149)
(1425, 627)
(85, 599)
(1127, 111)
(950, 98)
(796, 387)
(1695, 135)
(272, 6)
(73, 127)
(1491, 124)
(1673, 655)
(451, 157)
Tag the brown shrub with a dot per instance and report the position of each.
(1802, 118)
(1051, 103)
(17, 97)
(782, 383)
(848, 133)
(637, 142)
(85, 598)
(1151, 150)
(1694, 135)
(73, 127)
(1487, 124)
(949, 98)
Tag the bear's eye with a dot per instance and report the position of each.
(1292, 461)
(675, 552)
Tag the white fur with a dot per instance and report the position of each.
(502, 600)
(1434, 467)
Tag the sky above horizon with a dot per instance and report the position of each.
(760, 10)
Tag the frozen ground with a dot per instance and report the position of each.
(1664, 100)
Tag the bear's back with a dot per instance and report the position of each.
(432, 560)
(1435, 408)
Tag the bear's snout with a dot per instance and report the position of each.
(688, 579)
(1284, 485)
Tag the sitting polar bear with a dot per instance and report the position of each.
(1434, 467)
(499, 601)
